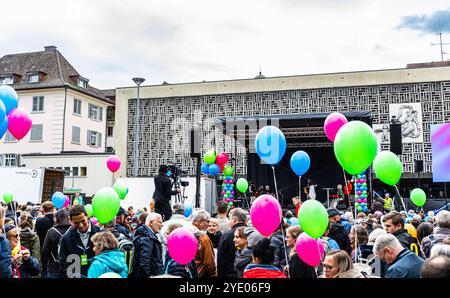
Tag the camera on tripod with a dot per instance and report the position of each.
(174, 171)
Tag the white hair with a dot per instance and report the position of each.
(152, 216)
(375, 233)
(430, 213)
(443, 219)
(200, 215)
(440, 249)
(386, 240)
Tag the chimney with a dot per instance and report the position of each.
(50, 48)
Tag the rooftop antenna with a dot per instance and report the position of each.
(440, 41)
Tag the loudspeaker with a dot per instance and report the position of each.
(395, 131)
(418, 166)
(195, 142)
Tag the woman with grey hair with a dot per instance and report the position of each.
(374, 235)
(440, 249)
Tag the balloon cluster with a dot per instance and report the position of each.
(228, 186)
(214, 163)
(16, 120)
(361, 193)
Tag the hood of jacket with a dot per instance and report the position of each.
(113, 259)
(27, 235)
(243, 258)
(144, 231)
(336, 227)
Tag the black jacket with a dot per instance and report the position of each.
(174, 268)
(43, 224)
(147, 259)
(49, 254)
(276, 240)
(338, 234)
(299, 269)
(242, 259)
(215, 239)
(163, 189)
(405, 238)
(226, 253)
(5, 258)
(124, 231)
(71, 245)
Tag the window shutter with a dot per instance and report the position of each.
(41, 104)
(99, 141)
(88, 137)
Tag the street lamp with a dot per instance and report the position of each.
(138, 82)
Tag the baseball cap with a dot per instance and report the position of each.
(334, 212)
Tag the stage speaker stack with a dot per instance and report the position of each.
(395, 131)
(195, 143)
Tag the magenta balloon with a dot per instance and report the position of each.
(332, 125)
(67, 202)
(266, 214)
(221, 159)
(182, 245)
(19, 122)
(309, 250)
(94, 220)
(113, 163)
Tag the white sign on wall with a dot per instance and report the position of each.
(410, 116)
(24, 183)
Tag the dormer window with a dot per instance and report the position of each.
(82, 83)
(33, 77)
(6, 80)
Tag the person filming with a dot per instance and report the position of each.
(163, 193)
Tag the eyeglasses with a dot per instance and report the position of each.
(328, 267)
(15, 235)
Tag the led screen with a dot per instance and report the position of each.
(440, 146)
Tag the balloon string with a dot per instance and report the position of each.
(282, 222)
(300, 188)
(354, 226)
(401, 199)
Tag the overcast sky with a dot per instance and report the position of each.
(178, 41)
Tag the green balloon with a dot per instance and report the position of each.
(89, 210)
(313, 218)
(121, 190)
(210, 157)
(8, 197)
(225, 196)
(228, 192)
(105, 204)
(242, 185)
(387, 167)
(418, 197)
(228, 171)
(230, 203)
(355, 146)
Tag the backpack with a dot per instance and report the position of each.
(127, 247)
(59, 244)
(433, 241)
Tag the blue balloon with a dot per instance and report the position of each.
(3, 127)
(300, 162)
(214, 169)
(9, 97)
(270, 145)
(58, 199)
(2, 110)
(205, 168)
(230, 196)
(187, 210)
(293, 221)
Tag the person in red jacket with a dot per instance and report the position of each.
(297, 203)
(263, 257)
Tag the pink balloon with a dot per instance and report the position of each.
(113, 163)
(19, 122)
(309, 250)
(221, 159)
(67, 202)
(232, 192)
(266, 214)
(332, 125)
(182, 245)
(94, 220)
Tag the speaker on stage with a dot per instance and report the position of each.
(418, 166)
(195, 144)
(395, 131)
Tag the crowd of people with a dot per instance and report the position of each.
(40, 241)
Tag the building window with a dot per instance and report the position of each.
(38, 104)
(9, 137)
(110, 131)
(77, 106)
(83, 172)
(11, 160)
(95, 113)
(36, 132)
(75, 171)
(6, 80)
(67, 171)
(82, 83)
(94, 138)
(75, 135)
(33, 78)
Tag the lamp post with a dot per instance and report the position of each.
(138, 82)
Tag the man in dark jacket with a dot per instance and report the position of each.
(147, 260)
(276, 240)
(43, 224)
(51, 244)
(163, 192)
(337, 231)
(76, 247)
(226, 253)
(120, 227)
(402, 262)
(394, 224)
(5, 249)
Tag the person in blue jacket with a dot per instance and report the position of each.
(5, 249)
(108, 257)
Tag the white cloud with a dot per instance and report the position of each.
(111, 41)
